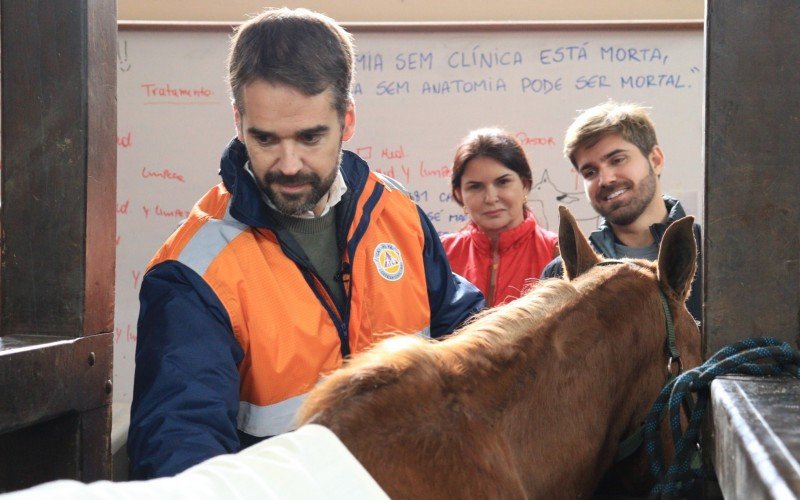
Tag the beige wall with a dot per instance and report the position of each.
(420, 10)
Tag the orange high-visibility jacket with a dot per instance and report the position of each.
(231, 307)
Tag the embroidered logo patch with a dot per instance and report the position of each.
(388, 261)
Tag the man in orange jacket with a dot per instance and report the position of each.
(300, 257)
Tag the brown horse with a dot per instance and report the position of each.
(529, 400)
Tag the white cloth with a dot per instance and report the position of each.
(307, 463)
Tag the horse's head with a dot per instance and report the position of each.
(531, 398)
(672, 276)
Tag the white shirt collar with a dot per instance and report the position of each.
(335, 193)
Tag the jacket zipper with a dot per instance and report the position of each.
(492, 289)
(320, 290)
(333, 311)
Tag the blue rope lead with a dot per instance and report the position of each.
(778, 358)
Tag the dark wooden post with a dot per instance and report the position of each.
(752, 184)
(58, 239)
(752, 235)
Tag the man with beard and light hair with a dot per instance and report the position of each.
(299, 258)
(613, 147)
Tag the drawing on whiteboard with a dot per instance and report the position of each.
(122, 55)
(545, 197)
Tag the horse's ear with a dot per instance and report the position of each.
(677, 258)
(576, 252)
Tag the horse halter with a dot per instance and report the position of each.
(630, 444)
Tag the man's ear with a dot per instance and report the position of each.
(237, 122)
(349, 121)
(656, 158)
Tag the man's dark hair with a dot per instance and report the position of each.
(630, 121)
(299, 48)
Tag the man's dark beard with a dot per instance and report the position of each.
(296, 204)
(636, 207)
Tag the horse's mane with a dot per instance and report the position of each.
(486, 344)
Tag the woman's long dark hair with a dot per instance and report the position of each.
(494, 143)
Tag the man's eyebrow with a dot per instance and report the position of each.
(259, 133)
(612, 153)
(605, 157)
(319, 129)
(265, 134)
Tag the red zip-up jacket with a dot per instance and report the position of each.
(523, 252)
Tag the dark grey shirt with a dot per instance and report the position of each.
(649, 252)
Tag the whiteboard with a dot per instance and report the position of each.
(417, 95)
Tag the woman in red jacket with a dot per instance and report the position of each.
(502, 250)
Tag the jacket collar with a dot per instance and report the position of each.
(507, 238)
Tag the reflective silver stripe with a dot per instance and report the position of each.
(274, 419)
(209, 242)
(269, 420)
(391, 183)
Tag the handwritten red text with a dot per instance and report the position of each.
(166, 174)
(154, 90)
(125, 141)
